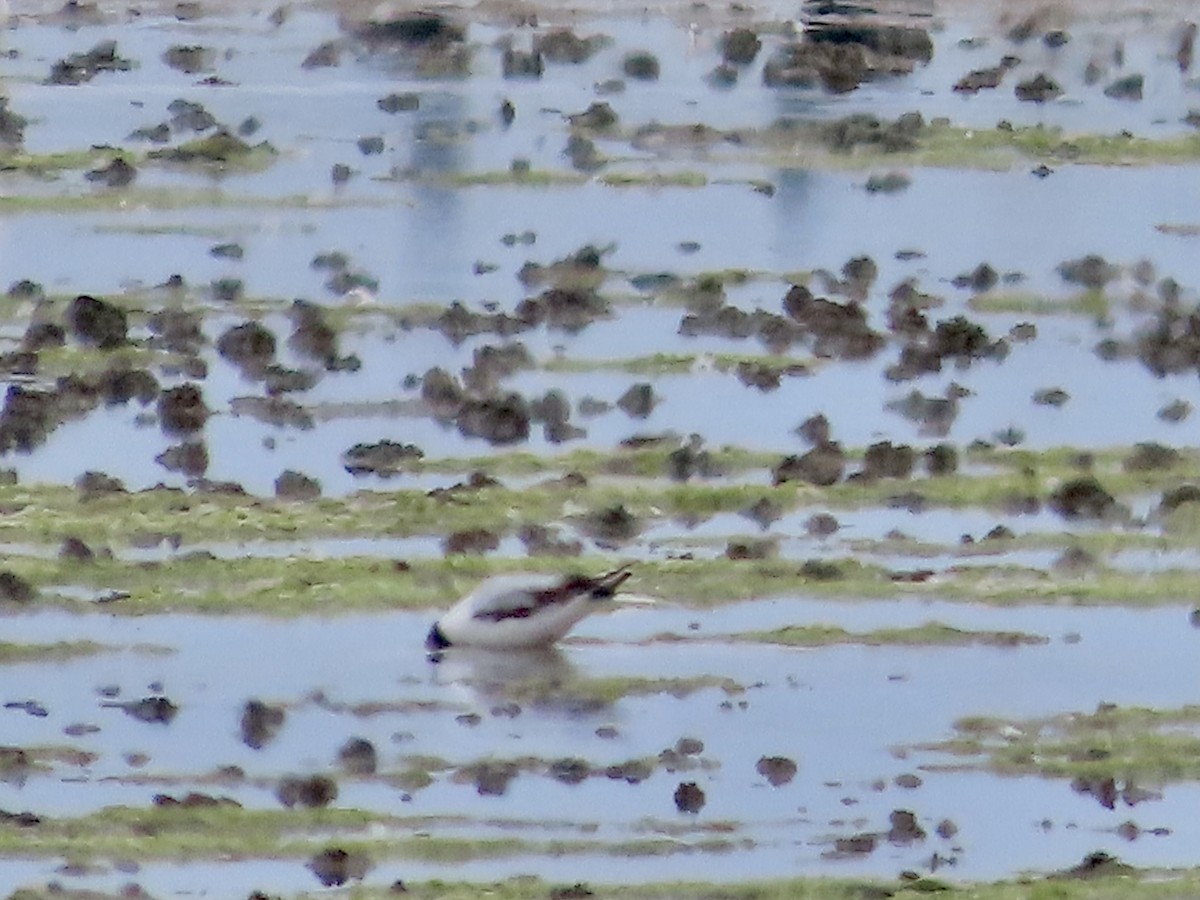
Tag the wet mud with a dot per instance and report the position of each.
(868, 334)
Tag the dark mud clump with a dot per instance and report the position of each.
(612, 526)
(641, 65)
(740, 46)
(292, 485)
(823, 466)
(15, 590)
(1091, 271)
(562, 45)
(335, 866)
(689, 798)
(778, 770)
(941, 460)
(1083, 498)
(1151, 457)
(358, 757)
(470, 542)
(79, 68)
(865, 130)
(189, 458)
(313, 792)
(12, 127)
(177, 330)
(384, 458)
(260, 723)
(887, 460)
(182, 410)
(840, 57)
(97, 323)
(117, 173)
(904, 828)
(491, 779)
(569, 309)
(1039, 89)
(957, 340)
(249, 346)
(502, 419)
(570, 770)
(1097, 865)
(638, 401)
(150, 709)
(838, 331)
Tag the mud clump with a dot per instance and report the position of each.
(417, 30)
(740, 46)
(562, 45)
(638, 401)
(838, 331)
(569, 309)
(840, 57)
(904, 828)
(194, 800)
(75, 550)
(1127, 88)
(570, 770)
(863, 129)
(117, 173)
(500, 420)
(887, 460)
(313, 792)
(177, 330)
(640, 65)
(612, 526)
(778, 770)
(15, 590)
(1096, 865)
(79, 68)
(470, 542)
(260, 723)
(1151, 457)
(941, 460)
(1039, 89)
(291, 485)
(1083, 498)
(358, 757)
(93, 484)
(249, 346)
(335, 866)
(150, 709)
(689, 798)
(1091, 271)
(491, 779)
(751, 550)
(384, 458)
(97, 323)
(182, 410)
(189, 458)
(12, 127)
(822, 466)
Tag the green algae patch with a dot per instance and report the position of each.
(940, 144)
(1114, 881)
(930, 634)
(222, 829)
(220, 150)
(1092, 304)
(1125, 743)
(12, 654)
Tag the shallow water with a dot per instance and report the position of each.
(851, 717)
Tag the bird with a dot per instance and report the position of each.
(523, 610)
